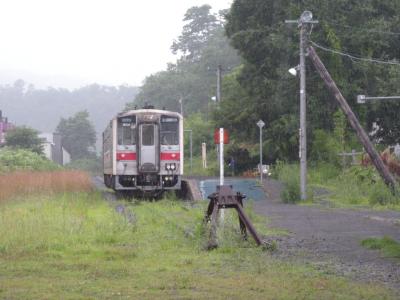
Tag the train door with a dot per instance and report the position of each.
(148, 148)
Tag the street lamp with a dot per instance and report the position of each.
(294, 70)
(261, 124)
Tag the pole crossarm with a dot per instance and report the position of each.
(383, 98)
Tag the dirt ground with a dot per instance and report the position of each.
(330, 238)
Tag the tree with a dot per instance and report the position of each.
(24, 138)
(196, 32)
(78, 135)
(269, 48)
(203, 46)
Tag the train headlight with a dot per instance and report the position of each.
(173, 166)
(168, 167)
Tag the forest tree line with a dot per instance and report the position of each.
(256, 48)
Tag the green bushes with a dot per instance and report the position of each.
(382, 195)
(387, 245)
(19, 159)
(356, 185)
(91, 165)
(325, 148)
(289, 175)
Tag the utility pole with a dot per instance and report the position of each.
(361, 134)
(305, 19)
(181, 103)
(219, 77)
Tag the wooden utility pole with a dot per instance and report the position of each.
(361, 134)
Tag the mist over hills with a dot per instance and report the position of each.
(42, 109)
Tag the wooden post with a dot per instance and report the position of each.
(361, 134)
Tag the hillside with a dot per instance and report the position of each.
(42, 109)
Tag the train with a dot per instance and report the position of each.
(143, 151)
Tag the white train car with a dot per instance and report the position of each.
(143, 151)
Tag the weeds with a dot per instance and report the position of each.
(23, 183)
(354, 186)
(59, 225)
(387, 245)
(75, 246)
(289, 175)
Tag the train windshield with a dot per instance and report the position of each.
(127, 130)
(169, 131)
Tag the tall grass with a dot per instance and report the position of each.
(75, 246)
(354, 186)
(70, 223)
(387, 245)
(22, 183)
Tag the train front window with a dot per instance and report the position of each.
(169, 131)
(147, 134)
(127, 131)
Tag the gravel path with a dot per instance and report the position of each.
(330, 238)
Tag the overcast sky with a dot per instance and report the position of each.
(70, 43)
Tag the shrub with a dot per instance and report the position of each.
(24, 138)
(19, 159)
(91, 165)
(382, 195)
(289, 175)
(324, 148)
(242, 159)
(291, 192)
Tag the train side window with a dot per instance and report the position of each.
(169, 131)
(126, 131)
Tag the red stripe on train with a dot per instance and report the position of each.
(126, 156)
(170, 156)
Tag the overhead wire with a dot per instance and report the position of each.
(353, 57)
(363, 29)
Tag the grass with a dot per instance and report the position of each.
(387, 245)
(21, 183)
(75, 246)
(197, 165)
(353, 187)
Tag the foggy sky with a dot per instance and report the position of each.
(71, 43)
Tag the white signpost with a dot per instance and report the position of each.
(204, 155)
(260, 124)
(221, 156)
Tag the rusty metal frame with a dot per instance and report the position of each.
(224, 198)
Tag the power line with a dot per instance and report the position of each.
(353, 57)
(363, 29)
